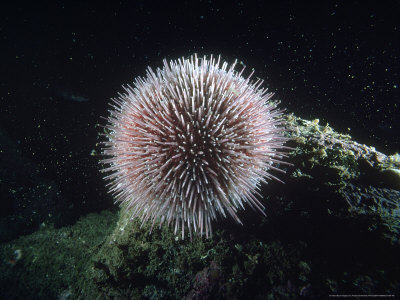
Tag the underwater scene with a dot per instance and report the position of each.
(200, 150)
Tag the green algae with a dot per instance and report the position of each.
(52, 260)
(333, 228)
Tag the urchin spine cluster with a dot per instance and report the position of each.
(191, 141)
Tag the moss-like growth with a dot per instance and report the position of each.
(51, 261)
(333, 228)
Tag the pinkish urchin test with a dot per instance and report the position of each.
(191, 142)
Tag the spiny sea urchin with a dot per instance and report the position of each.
(191, 141)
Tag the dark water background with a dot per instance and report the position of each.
(61, 63)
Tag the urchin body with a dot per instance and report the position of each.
(190, 142)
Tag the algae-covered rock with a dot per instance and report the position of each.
(332, 228)
(50, 263)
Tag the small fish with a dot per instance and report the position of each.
(60, 91)
(67, 95)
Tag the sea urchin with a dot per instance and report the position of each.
(191, 141)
